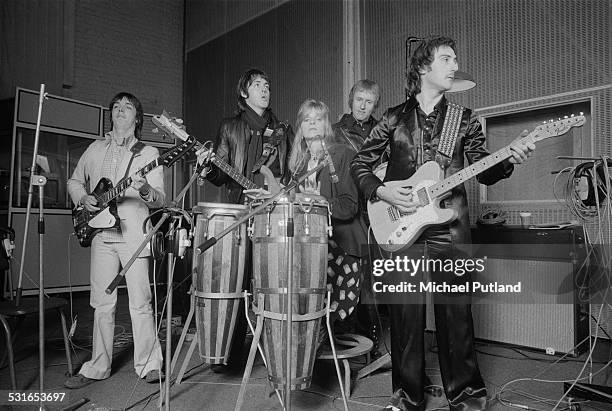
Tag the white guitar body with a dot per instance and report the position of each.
(394, 230)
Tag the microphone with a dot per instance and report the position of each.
(330, 164)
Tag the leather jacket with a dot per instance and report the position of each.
(396, 129)
(232, 142)
(352, 133)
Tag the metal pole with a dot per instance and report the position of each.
(171, 248)
(289, 310)
(30, 193)
(41, 290)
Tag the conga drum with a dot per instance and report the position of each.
(218, 275)
(269, 238)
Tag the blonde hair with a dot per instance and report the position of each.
(300, 149)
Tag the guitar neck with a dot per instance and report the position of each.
(231, 171)
(473, 170)
(124, 183)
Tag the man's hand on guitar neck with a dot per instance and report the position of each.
(521, 151)
(89, 202)
(205, 156)
(142, 186)
(400, 197)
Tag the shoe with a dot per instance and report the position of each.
(154, 376)
(78, 381)
(399, 401)
(469, 400)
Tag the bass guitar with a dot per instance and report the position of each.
(395, 230)
(89, 223)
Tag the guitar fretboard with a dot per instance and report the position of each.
(465, 174)
(230, 171)
(167, 158)
(124, 183)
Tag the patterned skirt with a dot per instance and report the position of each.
(344, 278)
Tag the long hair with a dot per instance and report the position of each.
(244, 82)
(300, 149)
(365, 85)
(421, 59)
(139, 112)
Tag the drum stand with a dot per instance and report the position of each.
(261, 314)
(195, 341)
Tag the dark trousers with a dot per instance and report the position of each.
(455, 337)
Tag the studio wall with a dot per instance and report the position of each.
(90, 49)
(298, 44)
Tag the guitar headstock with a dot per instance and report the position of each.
(169, 126)
(556, 128)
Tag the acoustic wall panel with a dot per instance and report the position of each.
(299, 45)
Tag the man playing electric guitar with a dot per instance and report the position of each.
(118, 155)
(427, 127)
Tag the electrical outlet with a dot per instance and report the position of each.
(550, 351)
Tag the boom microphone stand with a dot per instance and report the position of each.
(39, 181)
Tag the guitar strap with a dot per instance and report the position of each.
(269, 146)
(448, 136)
(136, 148)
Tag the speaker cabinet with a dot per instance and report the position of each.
(524, 255)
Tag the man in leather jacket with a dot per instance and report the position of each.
(354, 128)
(412, 130)
(241, 139)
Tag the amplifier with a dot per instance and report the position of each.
(525, 255)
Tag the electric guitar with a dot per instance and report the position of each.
(171, 128)
(89, 223)
(395, 230)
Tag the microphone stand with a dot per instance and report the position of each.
(289, 306)
(170, 274)
(39, 181)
